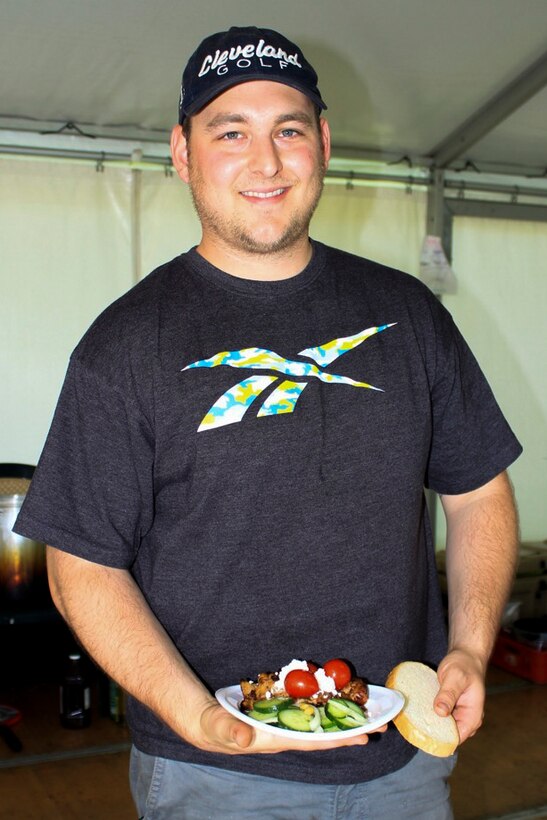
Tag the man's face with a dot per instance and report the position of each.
(255, 162)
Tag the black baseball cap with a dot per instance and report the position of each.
(239, 55)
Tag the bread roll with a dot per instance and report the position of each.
(417, 721)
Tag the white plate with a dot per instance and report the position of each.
(382, 706)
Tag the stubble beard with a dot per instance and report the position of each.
(232, 233)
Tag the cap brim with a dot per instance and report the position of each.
(222, 86)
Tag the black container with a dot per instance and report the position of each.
(75, 694)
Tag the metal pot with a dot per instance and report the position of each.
(23, 575)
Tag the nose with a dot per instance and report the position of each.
(264, 157)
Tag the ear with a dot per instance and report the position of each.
(325, 139)
(179, 152)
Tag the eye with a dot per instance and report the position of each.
(289, 132)
(231, 135)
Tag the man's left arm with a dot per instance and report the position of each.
(481, 555)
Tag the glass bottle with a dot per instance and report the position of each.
(75, 695)
(117, 702)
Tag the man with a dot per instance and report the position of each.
(234, 475)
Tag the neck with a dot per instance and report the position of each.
(277, 265)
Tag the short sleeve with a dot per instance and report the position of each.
(92, 492)
(471, 440)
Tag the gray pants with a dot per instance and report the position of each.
(169, 790)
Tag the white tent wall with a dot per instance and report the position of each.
(65, 254)
(169, 224)
(66, 238)
(382, 223)
(501, 309)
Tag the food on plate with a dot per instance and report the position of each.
(417, 721)
(306, 698)
(339, 671)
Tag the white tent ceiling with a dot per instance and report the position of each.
(399, 76)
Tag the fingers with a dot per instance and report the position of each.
(469, 720)
(287, 744)
(445, 702)
(267, 743)
(228, 735)
(455, 677)
(241, 734)
(461, 692)
(223, 733)
(380, 730)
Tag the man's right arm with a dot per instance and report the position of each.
(107, 611)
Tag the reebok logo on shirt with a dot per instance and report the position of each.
(234, 403)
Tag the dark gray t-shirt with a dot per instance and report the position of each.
(255, 453)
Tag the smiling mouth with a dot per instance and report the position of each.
(264, 194)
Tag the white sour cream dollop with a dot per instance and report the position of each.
(326, 684)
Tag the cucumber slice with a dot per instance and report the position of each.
(348, 722)
(294, 718)
(326, 722)
(269, 705)
(315, 722)
(333, 709)
(263, 717)
(345, 713)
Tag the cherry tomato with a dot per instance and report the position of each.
(301, 684)
(312, 666)
(339, 671)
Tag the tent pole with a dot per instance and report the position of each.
(435, 227)
(136, 255)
